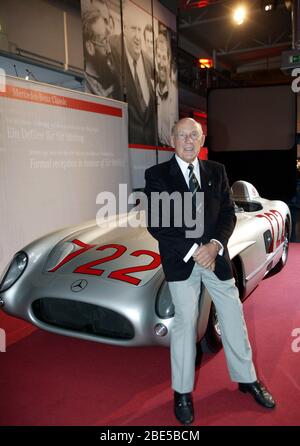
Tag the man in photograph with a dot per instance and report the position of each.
(100, 67)
(148, 40)
(148, 45)
(139, 89)
(166, 91)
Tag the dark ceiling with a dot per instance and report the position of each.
(248, 51)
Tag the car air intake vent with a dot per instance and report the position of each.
(268, 241)
(83, 317)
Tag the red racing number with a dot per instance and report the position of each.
(122, 274)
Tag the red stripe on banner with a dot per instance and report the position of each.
(29, 95)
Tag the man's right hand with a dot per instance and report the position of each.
(205, 255)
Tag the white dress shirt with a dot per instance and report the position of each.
(184, 167)
(185, 171)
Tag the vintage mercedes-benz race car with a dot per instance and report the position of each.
(106, 284)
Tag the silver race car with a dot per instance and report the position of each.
(106, 284)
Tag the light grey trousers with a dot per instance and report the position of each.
(185, 295)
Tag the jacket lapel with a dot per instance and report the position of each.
(205, 177)
(177, 178)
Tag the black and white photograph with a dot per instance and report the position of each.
(138, 67)
(101, 29)
(166, 82)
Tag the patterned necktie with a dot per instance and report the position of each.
(139, 89)
(193, 186)
(193, 182)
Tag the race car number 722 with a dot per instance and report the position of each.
(120, 274)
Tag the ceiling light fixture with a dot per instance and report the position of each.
(239, 14)
(268, 5)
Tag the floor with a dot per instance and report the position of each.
(52, 380)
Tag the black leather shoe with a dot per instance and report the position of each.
(183, 407)
(259, 393)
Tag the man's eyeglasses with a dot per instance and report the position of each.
(183, 136)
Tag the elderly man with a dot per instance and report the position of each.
(100, 66)
(166, 92)
(189, 261)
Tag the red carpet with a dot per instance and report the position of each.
(48, 379)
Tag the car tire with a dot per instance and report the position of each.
(282, 262)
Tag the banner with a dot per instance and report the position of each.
(58, 149)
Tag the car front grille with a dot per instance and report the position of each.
(83, 317)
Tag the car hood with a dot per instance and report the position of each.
(112, 251)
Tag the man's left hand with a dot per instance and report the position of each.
(205, 255)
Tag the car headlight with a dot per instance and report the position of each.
(14, 271)
(164, 307)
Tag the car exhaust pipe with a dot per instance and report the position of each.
(1, 302)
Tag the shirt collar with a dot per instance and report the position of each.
(184, 165)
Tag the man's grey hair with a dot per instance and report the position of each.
(89, 17)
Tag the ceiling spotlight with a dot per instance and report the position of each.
(268, 5)
(239, 14)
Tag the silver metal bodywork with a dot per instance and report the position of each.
(132, 295)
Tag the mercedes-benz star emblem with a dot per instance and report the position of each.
(79, 285)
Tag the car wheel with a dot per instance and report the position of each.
(282, 262)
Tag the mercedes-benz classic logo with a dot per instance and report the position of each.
(79, 285)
